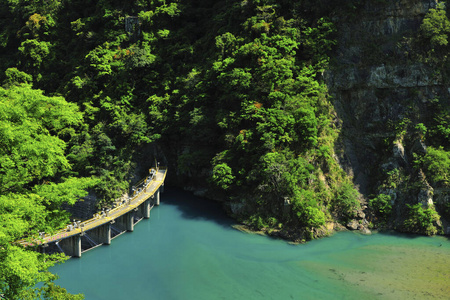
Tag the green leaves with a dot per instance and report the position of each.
(22, 270)
(421, 220)
(282, 174)
(53, 195)
(100, 60)
(32, 152)
(318, 41)
(55, 292)
(276, 128)
(223, 176)
(437, 165)
(382, 206)
(21, 214)
(436, 26)
(346, 201)
(306, 209)
(16, 77)
(30, 148)
(34, 52)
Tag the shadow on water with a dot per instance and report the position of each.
(196, 208)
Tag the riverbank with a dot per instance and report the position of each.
(394, 271)
(190, 249)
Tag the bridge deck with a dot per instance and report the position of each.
(131, 204)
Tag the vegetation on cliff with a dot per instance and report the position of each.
(413, 195)
(232, 91)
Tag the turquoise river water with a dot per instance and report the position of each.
(188, 249)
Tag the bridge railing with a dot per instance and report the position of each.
(94, 222)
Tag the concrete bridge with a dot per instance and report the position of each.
(103, 227)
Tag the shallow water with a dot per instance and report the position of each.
(188, 250)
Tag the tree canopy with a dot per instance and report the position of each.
(231, 91)
(34, 129)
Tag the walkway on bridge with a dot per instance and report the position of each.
(147, 188)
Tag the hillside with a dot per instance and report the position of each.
(301, 117)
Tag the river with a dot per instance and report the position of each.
(189, 250)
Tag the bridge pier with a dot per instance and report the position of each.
(99, 230)
(129, 219)
(120, 223)
(102, 234)
(126, 222)
(146, 206)
(42, 248)
(72, 245)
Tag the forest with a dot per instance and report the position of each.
(231, 93)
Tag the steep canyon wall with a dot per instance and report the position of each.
(378, 91)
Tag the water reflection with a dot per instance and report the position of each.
(188, 250)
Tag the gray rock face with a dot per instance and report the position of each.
(425, 197)
(353, 225)
(382, 77)
(236, 208)
(399, 152)
(375, 22)
(375, 87)
(365, 231)
(442, 196)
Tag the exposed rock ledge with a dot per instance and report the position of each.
(382, 76)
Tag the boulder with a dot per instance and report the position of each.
(353, 225)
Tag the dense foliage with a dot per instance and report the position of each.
(232, 91)
(35, 182)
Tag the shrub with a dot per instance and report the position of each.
(421, 220)
(223, 176)
(306, 209)
(14, 76)
(437, 165)
(436, 26)
(346, 202)
(381, 205)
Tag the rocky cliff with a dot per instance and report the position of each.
(380, 94)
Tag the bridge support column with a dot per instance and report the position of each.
(162, 188)
(102, 234)
(72, 246)
(106, 239)
(157, 197)
(77, 246)
(146, 209)
(129, 221)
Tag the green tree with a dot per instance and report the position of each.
(22, 269)
(421, 220)
(33, 130)
(437, 165)
(382, 206)
(306, 209)
(223, 176)
(16, 77)
(346, 201)
(436, 26)
(31, 127)
(34, 52)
